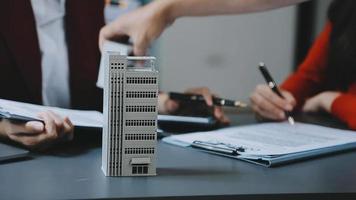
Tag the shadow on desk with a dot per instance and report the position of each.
(189, 172)
(9, 161)
(84, 140)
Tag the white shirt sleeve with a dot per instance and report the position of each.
(49, 17)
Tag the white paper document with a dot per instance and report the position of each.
(123, 49)
(81, 118)
(270, 140)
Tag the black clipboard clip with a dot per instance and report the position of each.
(218, 147)
(17, 119)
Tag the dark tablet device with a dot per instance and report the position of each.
(8, 152)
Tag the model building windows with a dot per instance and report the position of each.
(143, 122)
(141, 94)
(116, 65)
(140, 108)
(141, 80)
(139, 150)
(139, 136)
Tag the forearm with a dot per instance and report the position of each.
(181, 8)
(2, 129)
(344, 107)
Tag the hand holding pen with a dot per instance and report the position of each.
(274, 104)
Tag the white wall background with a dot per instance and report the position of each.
(223, 52)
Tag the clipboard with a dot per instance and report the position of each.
(271, 161)
(251, 143)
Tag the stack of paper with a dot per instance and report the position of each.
(269, 143)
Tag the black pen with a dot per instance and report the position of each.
(272, 84)
(216, 101)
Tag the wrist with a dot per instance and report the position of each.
(162, 99)
(168, 9)
(3, 133)
(329, 99)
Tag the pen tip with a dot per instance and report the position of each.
(261, 64)
(291, 120)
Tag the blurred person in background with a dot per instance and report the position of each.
(49, 55)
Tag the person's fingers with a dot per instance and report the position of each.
(64, 127)
(68, 128)
(289, 97)
(48, 135)
(273, 98)
(220, 116)
(69, 122)
(57, 120)
(218, 113)
(34, 127)
(29, 128)
(266, 114)
(31, 141)
(205, 92)
(171, 106)
(140, 45)
(207, 96)
(108, 32)
(50, 125)
(225, 120)
(261, 102)
(28, 141)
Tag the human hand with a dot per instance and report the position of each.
(168, 106)
(321, 102)
(208, 97)
(36, 135)
(269, 105)
(142, 25)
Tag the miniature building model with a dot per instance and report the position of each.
(130, 116)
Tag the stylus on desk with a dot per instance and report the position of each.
(272, 84)
(216, 101)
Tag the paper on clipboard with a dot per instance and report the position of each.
(272, 142)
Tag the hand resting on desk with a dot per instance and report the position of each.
(36, 135)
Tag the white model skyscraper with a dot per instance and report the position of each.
(130, 116)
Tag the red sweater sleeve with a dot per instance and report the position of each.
(344, 107)
(308, 80)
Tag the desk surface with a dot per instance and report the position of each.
(73, 171)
